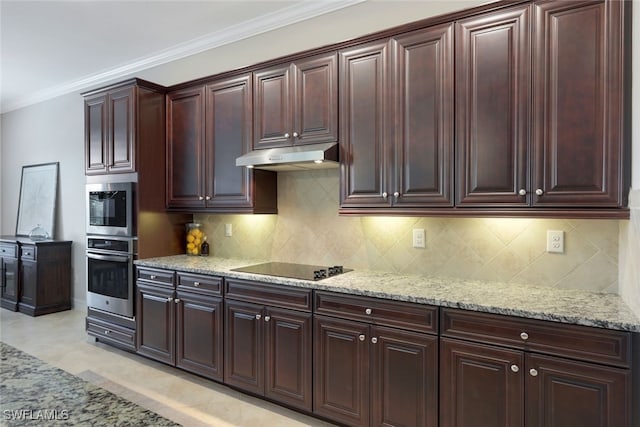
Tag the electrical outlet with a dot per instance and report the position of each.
(555, 241)
(228, 230)
(419, 238)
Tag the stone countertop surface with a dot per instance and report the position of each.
(604, 310)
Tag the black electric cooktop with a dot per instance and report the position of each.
(294, 271)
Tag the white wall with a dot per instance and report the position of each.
(53, 130)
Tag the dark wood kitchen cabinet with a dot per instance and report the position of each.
(9, 277)
(208, 127)
(181, 324)
(122, 123)
(540, 95)
(268, 341)
(376, 363)
(45, 277)
(296, 102)
(503, 371)
(397, 122)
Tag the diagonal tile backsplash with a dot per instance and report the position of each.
(309, 230)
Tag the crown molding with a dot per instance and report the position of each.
(288, 16)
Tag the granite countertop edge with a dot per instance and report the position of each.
(587, 308)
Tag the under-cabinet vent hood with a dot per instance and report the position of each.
(299, 157)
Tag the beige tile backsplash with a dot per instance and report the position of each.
(308, 229)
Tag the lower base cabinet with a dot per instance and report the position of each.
(268, 347)
(111, 329)
(367, 374)
(483, 382)
(181, 325)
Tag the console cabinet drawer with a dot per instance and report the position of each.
(405, 315)
(111, 333)
(210, 285)
(164, 277)
(573, 341)
(268, 294)
(9, 251)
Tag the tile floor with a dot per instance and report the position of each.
(60, 339)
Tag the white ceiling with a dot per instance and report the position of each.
(49, 48)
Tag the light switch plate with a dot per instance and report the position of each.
(555, 241)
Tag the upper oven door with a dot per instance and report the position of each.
(110, 209)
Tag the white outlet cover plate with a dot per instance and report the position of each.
(419, 238)
(555, 241)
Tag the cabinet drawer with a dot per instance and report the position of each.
(165, 277)
(417, 317)
(9, 251)
(28, 252)
(268, 294)
(578, 342)
(210, 285)
(111, 333)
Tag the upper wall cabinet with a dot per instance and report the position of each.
(208, 127)
(120, 121)
(296, 103)
(561, 144)
(396, 121)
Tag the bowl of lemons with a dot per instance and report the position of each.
(194, 238)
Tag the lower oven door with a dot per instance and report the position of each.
(110, 283)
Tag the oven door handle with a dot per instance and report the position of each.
(115, 258)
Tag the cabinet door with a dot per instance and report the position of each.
(95, 134)
(423, 88)
(28, 283)
(244, 346)
(121, 147)
(228, 125)
(199, 338)
(315, 108)
(156, 323)
(272, 107)
(404, 378)
(9, 277)
(364, 101)
(288, 349)
(578, 85)
(341, 370)
(480, 385)
(492, 107)
(566, 393)
(185, 148)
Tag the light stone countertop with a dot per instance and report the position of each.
(603, 310)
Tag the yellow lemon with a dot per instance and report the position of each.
(190, 246)
(190, 238)
(196, 242)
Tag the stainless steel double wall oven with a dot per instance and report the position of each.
(111, 247)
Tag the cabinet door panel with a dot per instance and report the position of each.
(28, 282)
(9, 291)
(272, 106)
(199, 335)
(244, 347)
(228, 123)
(341, 371)
(95, 135)
(364, 156)
(492, 114)
(478, 386)
(185, 148)
(156, 323)
(566, 393)
(288, 357)
(404, 379)
(578, 78)
(316, 100)
(423, 84)
(122, 131)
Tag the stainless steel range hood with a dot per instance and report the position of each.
(299, 157)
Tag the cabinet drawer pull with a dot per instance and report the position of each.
(267, 318)
(515, 368)
(286, 135)
(169, 299)
(153, 277)
(196, 284)
(361, 337)
(367, 311)
(295, 134)
(106, 332)
(258, 316)
(374, 340)
(524, 336)
(533, 372)
(208, 198)
(177, 300)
